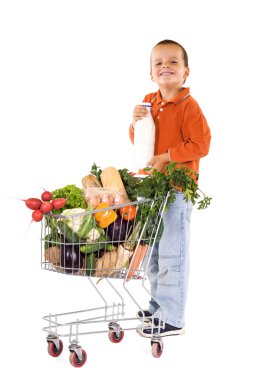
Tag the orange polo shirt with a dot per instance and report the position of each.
(181, 128)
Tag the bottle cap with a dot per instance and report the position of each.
(146, 104)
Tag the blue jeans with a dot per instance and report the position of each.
(168, 269)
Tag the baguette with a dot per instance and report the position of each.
(110, 178)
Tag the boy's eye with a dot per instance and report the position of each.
(174, 62)
(157, 63)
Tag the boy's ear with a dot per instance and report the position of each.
(151, 76)
(187, 72)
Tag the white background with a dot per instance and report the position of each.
(71, 73)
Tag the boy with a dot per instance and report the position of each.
(182, 136)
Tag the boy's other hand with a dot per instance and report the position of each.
(158, 162)
(139, 113)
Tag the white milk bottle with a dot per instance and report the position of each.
(144, 139)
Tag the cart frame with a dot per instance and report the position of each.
(114, 313)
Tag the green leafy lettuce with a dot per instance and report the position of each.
(74, 196)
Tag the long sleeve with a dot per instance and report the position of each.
(196, 136)
(131, 134)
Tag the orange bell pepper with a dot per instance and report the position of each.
(105, 218)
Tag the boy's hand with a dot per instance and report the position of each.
(158, 162)
(139, 113)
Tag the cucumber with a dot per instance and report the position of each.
(90, 265)
(89, 248)
(102, 243)
(95, 247)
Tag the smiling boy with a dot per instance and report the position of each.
(182, 136)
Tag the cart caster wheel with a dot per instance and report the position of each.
(157, 349)
(75, 361)
(114, 337)
(53, 351)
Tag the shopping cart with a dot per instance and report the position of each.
(77, 245)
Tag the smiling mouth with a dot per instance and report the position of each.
(166, 73)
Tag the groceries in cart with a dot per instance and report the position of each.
(106, 241)
(100, 237)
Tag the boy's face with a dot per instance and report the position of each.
(167, 66)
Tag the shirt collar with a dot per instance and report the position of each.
(177, 99)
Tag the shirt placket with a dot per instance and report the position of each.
(157, 113)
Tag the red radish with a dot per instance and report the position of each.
(46, 207)
(46, 196)
(32, 203)
(59, 203)
(37, 215)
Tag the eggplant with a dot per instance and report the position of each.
(119, 230)
(71, 260)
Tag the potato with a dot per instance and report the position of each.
(112, 262)
(53, 255)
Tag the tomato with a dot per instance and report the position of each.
(127, 212)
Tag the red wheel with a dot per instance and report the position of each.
(75, 361)
(157, 349)
(114, 338)
(53, 351)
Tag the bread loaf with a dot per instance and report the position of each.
(110, 178)
(90, 181)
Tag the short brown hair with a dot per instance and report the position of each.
(171, 42)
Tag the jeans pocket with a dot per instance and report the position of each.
(170, 263)
(169, 272)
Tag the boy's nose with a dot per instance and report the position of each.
(166, 64)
